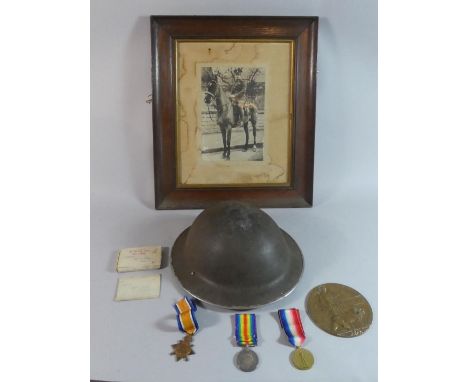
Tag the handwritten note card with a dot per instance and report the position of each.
(139, 259)
(138, 287)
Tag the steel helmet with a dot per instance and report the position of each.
(235, 256)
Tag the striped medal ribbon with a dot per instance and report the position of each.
(186, 320)
(246, 336)
(290, 320)
(187, 323)
(246, 329)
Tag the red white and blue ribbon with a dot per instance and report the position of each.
(186, 320)
(291, 322)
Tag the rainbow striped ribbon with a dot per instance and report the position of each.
(246, 329)
(186, 320)
(291, 322)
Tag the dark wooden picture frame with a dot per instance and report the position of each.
(165, 31)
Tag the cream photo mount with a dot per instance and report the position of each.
(275, 115)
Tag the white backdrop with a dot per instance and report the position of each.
(130, 341)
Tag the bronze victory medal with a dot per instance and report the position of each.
(339, 310)
(302, 359)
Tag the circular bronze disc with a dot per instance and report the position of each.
(302, 359)
(339, 310)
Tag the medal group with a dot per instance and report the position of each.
(246, 336)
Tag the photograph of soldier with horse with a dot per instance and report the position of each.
(232, 113)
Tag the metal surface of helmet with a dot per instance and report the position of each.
(235, 256)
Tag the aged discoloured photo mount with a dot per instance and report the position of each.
(234, 109)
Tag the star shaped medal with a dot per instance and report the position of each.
(187, 323)
(183, 348)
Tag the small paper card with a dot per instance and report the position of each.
(139, 259)
(138, 287)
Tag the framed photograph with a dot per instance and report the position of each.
(233, 110)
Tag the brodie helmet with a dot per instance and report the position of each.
(235, 256)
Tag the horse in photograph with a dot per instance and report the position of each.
(225, 112)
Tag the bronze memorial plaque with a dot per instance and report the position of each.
(339, 310)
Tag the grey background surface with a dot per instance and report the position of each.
(130, 341)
